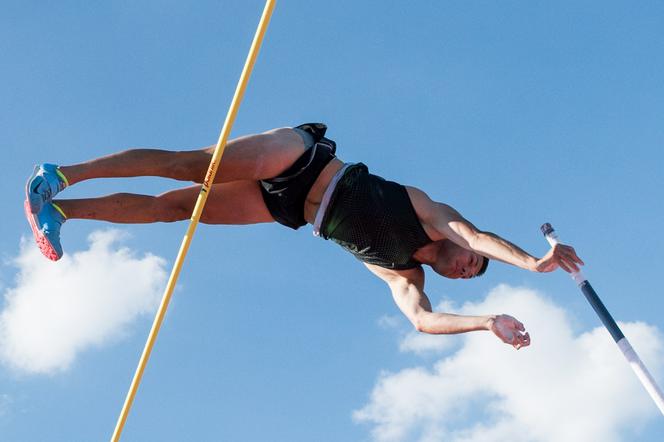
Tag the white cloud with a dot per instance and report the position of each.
(88, 298)
(421, 344)
(562, 388)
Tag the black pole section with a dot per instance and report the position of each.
(601, 311)
(625, 347)
(589, 292)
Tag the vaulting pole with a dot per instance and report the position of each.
(632, 358)
(198, 209)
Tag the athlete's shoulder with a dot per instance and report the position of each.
(391, 276)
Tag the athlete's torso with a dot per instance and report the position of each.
(373, 219)
(315, 195)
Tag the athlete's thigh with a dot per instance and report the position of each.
(260, 156)
(237, 202)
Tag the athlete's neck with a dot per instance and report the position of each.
(427, 254)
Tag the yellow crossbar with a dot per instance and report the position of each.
(198, 209)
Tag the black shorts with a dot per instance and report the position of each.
(286, 194)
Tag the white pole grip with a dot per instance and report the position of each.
(552, 238)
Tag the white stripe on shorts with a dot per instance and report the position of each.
(327, 196)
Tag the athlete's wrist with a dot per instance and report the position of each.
(532, 264)
(488, 322)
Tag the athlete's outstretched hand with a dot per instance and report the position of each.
(510, 331)
(561, 256)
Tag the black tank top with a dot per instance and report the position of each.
(374, 219)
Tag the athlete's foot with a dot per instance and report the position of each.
(46, 229)
(44, 183)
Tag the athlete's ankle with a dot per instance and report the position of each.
(68, 175)
(58, 206)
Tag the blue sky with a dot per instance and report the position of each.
(515, 113)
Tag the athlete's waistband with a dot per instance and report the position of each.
(325, 202)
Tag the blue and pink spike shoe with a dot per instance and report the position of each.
(45, 217)
(46, 229)
(44, 183)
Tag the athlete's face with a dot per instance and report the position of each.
(456, 262)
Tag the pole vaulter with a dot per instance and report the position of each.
(292, 176)
(630, 354)
(198, 210)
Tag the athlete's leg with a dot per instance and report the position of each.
(238, 202)
(251, 157)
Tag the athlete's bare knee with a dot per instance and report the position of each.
(283, 138)
(168, 208)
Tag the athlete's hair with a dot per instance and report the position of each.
(485, 264)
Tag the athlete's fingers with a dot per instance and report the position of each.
(563, 265)
(571, 264)
(526, 340)
(560, 254)
(514, 341)
(576, 257)
(518, 341)
(519, 325)
(571, 255)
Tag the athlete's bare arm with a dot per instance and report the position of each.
(407, 287)
(441, 221)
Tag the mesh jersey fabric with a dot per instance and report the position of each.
(374, 219)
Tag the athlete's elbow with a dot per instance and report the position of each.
(420, 328)
(420, 324)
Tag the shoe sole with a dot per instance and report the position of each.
(33, 209)
(42, 241)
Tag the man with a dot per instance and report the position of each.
(292, 176)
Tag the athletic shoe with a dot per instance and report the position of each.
(46, 181)
(46, 229)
